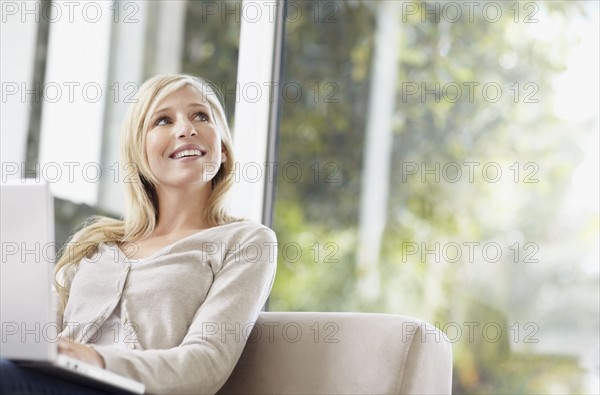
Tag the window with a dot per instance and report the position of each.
(439, 160)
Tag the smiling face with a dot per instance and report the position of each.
(183, 144)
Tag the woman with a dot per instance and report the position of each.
(168, 295)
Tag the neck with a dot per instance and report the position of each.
(181, 209)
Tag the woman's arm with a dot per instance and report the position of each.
(217, 335)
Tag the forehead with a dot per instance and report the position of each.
(182, 96)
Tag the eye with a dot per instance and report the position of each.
(162, 121)
(202, 116)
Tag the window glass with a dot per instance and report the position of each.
(440, 160)
(211, 45)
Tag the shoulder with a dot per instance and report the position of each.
(233, 236)
(244, 230)
(240, 242)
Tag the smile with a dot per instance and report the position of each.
(187, 153)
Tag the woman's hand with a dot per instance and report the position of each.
(81, 352)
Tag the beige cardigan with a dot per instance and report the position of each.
(188, 309)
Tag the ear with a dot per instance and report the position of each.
(223, 153)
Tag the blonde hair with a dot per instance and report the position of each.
(141, 212)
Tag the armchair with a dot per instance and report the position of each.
(342, 353)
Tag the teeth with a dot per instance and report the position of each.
(192, 152)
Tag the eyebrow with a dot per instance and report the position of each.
(192, 105)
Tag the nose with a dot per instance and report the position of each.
(185, 128)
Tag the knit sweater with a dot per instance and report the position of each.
(188, 309)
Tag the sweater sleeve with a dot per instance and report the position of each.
(217, 335)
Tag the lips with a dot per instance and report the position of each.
(188, 150)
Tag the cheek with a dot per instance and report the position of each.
(153, 145)
(217, 141)
(153, 150)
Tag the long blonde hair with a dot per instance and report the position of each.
(141, 211)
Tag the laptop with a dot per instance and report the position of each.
(29, 333)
